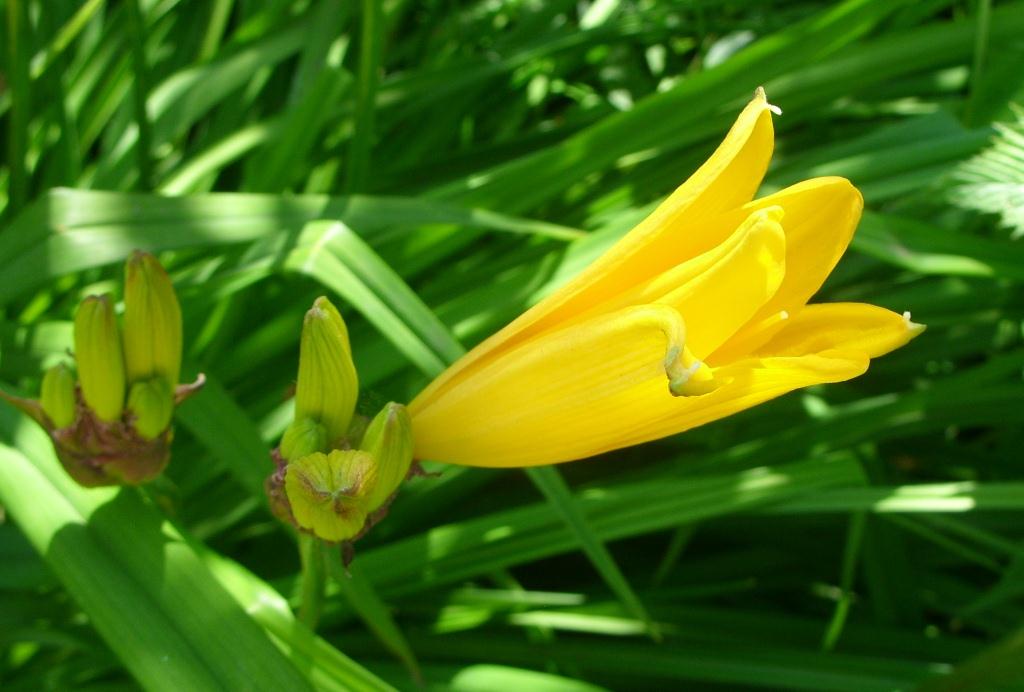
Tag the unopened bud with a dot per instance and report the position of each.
(152, 405)
(58, 395)
(304, 436)
(389, 441)
(98, 352)
(336, 319)
(327, 385)
(152, 321)
(327, 492)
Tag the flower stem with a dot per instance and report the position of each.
(311, 552)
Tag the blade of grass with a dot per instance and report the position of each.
(759, 666)
(357, 589)
(335, 256)
(981, 48)
(21, 104)
(361, 144)
(551, 484)
(140, 94)
(1000, 667)
(854, 538)
(965, 496)
(220, 12)
(477, 546)
(69, 230)
(220, 425)
(326, 667)
(132, 575)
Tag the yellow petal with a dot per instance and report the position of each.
(564, 395)
(597, 387)
(749, 338)
(744, 384)
(683, 226)
(857, 327)
(746, 273)
(821, 343)
(720, 290)
(821, 216)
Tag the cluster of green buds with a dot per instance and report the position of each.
(113, 427)
(336, 472)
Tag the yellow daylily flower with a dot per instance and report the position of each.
(697, 313)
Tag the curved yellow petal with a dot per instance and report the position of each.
(683, 226)
(720, 290)
(749, 338)
(745, 273)
(858, 327)
(565, 395)
(821, 216)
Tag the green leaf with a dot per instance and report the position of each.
(550, 482)
(357, 589)
(334, 255)
(144, 588)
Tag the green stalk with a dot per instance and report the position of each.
(17, 132)
(981, 41)
(366, 96)
(220, 12)
(42, 61)
(854, 539)
(314, 579)
(140, 94)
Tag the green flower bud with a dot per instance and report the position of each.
(335, 317)
(100, 363)
(327, 492)
(151, 402)
(304, 436)
(58, 395)
(389, 441)
(327, 386)
(152, 321)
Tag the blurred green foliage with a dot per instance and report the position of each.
(436, 167)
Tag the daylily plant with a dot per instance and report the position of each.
(697, 313)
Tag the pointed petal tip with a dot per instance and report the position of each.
(915, 328)
(759, 95)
